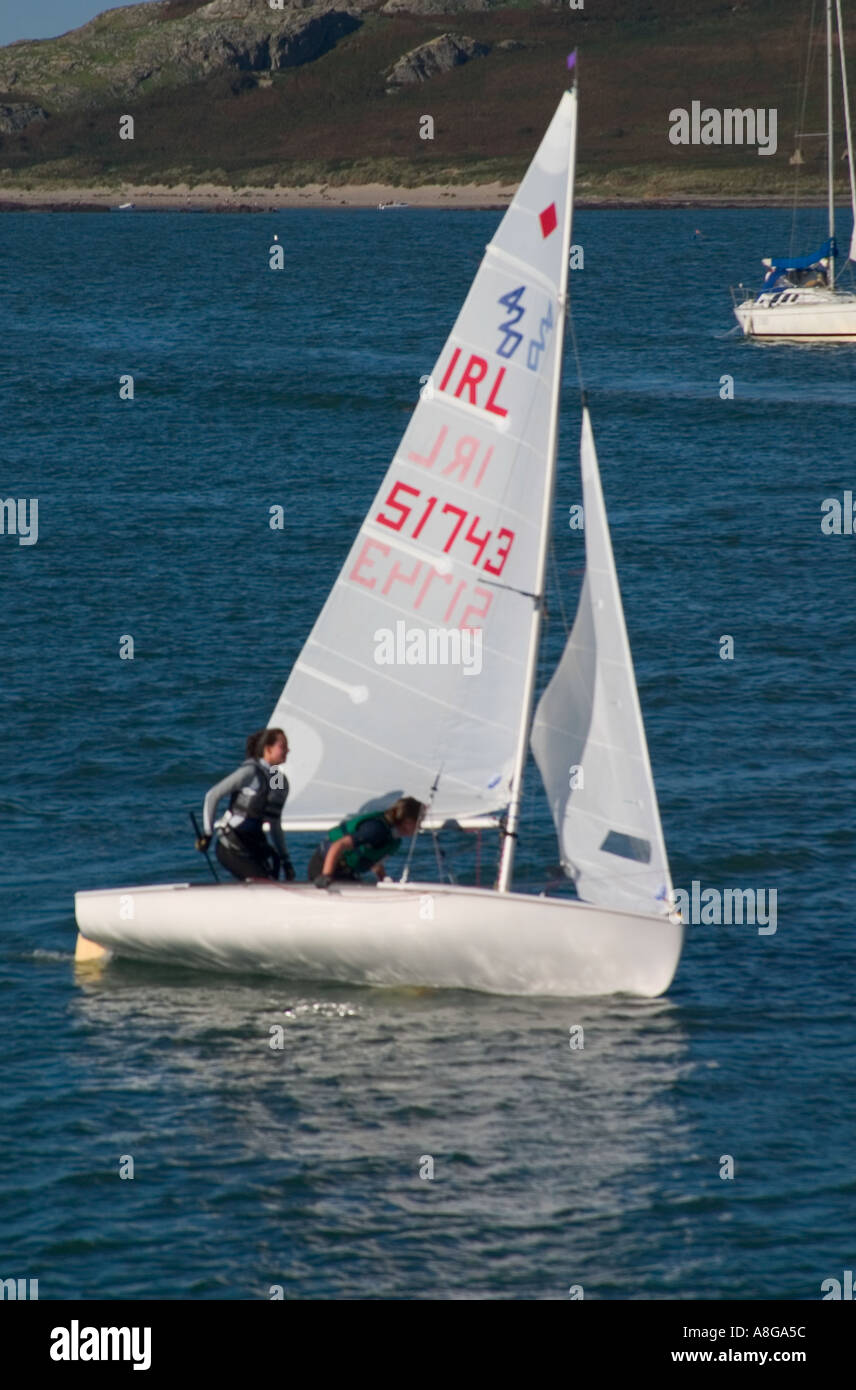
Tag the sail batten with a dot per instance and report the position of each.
(507, 259)
(343, 729)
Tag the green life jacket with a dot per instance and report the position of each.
(362, 857)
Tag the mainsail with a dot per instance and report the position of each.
(412, 678)
(589, 740)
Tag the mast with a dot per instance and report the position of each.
(847, 126)
(830, 166)
(506, 866)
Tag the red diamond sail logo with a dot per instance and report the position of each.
(548, 219)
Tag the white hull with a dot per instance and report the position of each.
(800, 316)
(499, 943)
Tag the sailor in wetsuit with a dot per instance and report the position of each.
(362, 842)
(256, 795)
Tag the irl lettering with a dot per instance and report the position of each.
(470, 379)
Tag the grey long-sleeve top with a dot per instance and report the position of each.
(233, 783)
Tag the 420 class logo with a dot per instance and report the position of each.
(512, 338)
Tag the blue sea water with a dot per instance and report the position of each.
(301, 1167)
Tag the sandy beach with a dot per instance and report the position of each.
(217, 198)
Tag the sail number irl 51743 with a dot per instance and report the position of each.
(403, 512)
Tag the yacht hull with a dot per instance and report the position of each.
(433, 935)
(793, 316)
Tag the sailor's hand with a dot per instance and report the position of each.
(288, 871)
(202, 843)
(323, 880)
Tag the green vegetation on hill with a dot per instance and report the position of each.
(201, 118)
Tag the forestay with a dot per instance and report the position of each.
(589, 740)
(412, 676)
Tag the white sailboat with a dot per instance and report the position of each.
(456, 543)
(798, 300)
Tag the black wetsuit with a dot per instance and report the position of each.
(242, 846)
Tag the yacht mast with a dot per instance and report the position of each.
(506, 865)
(847, 126)
(830, 172)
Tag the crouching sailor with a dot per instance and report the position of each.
(256, 795)
(362, 842)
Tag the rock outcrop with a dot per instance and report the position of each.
(18, 116)
(135, 49)
(439, 55)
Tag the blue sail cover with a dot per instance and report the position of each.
(829, 248)
(781, 265)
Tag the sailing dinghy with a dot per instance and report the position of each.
(799, 300)
(456, 544)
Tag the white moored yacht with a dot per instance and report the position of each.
(799, 300)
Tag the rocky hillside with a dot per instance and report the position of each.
(127, 53)
(288, 91)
